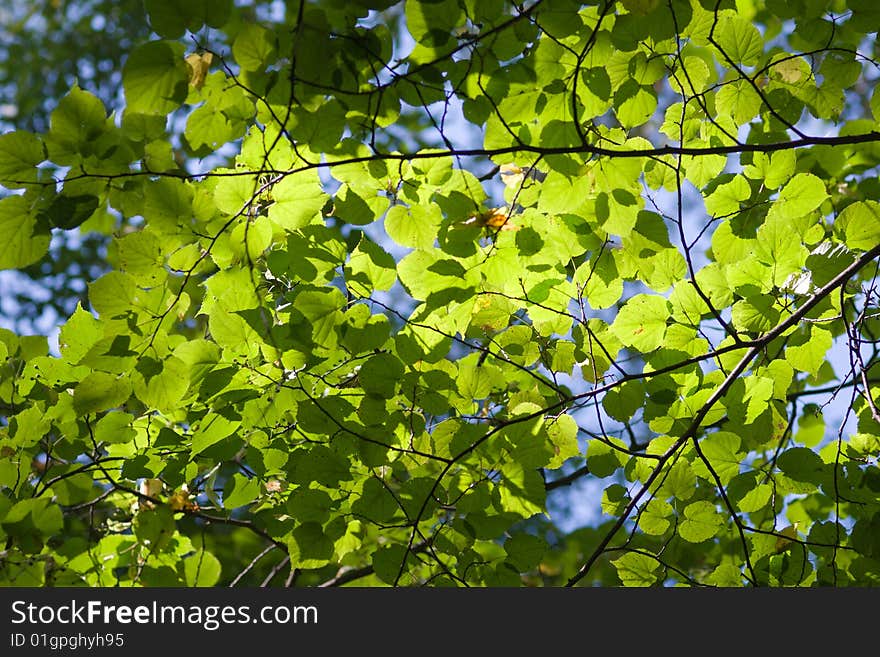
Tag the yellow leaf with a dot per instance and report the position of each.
(792, 70)
(786, 536)
(178, 500)
(198, 68)
(512, 175)
(497, 218)
(181, 500)
(151, 487)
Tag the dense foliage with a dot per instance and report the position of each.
(455, 292)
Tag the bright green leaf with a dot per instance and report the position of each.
(100, 391)
(701, 522)
(636, 569)
(26, 239)
(155, 78)
(20, 153)
(202, 569)
(642, 321)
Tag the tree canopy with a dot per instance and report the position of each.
(451, 293)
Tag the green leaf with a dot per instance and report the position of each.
(701, 522)
(491, 313)
(603, 459)
(739, 39)
(235, 192)
(79, 334)
(601, 279)
(738, 100)
(155, 78)
(781, 167)
(388, 560)
(111, 295)
(430, 23)
(206, 127)
(166, 18)
(523, 491)
(721, 449)
(170, 18)
(240, 491)
(115, 427)
(424, 273)
(166, 201)
(309, 505)
(642, 321)
(321, 308)
(154, 527)
(656, 517)
(309, 546)
(861, 445)
(634, 104)
(525, 551)
(826, 261)
(623, 401)
(477, 381)
(211, 429)
(758, 391)
(701, 170)
(160, 385)
(20, 153)
(69, 212)
(199, 357)
(756, 499)
(376, 503)
(253, 48)
(562, 433)
(860, 222)
(687, 306)
(298, 199)
(802, 464)
(801, 195)
(30, 426)
(26, 239)
(757, 313)
(635, 569)
(530, 447)
(726, 575)
(875, 103)
(249, 239)
(811, 426)
(100, 391)
(201, 569)
(727, 197)
(140, 255)
(380, 375)
(809, 355)
(680, 482)
(31, 522)
(615, 500)
(414, 227)
(370, 268)
(359, 207)
(77, 121)
(322, 465)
